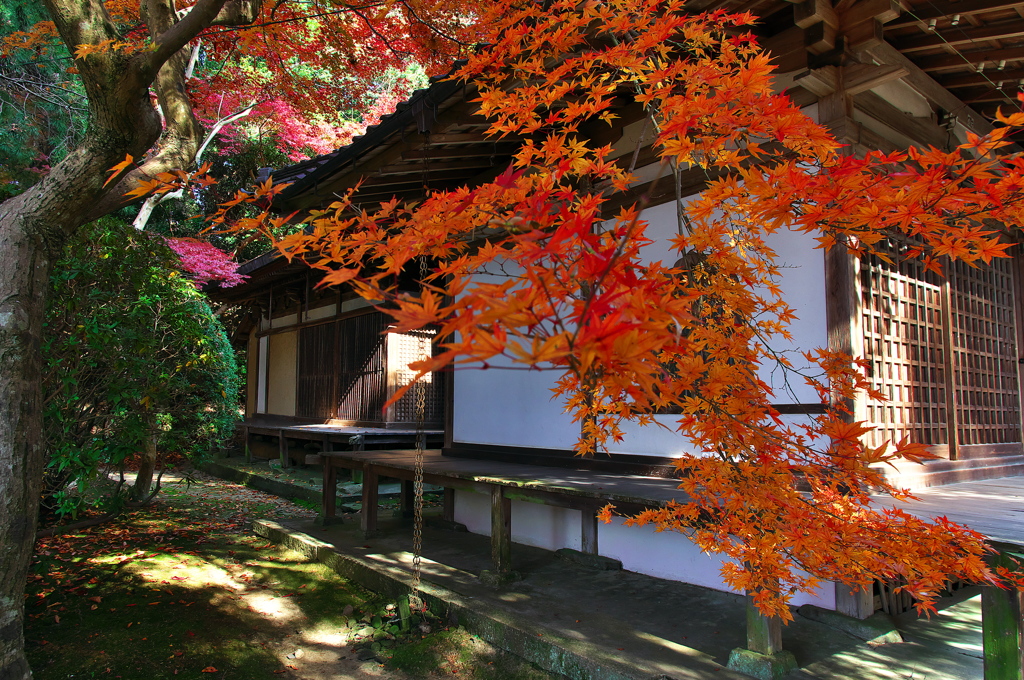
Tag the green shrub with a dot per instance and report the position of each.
(135, 363)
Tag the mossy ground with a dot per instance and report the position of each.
(181, 589)
(456, 653)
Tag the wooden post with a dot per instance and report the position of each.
(763, 656)
(856, 603)
(407, 498)
(588, 533)
(330, 490)
(764, 635)
(949, 369)
(448, 510)
(501, 531)
(1001, 612)
(282, 449)
(368, 514)
(245, 444)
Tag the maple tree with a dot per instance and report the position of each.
(528, 268)
(131, 65)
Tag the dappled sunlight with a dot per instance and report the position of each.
(193, 573)
(281, 609)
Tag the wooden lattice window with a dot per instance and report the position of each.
(349, 368)
(985, 353)
(942, 350)
(317, 379)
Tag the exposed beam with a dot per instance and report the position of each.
(863, 77)
(857, 78)
(787, 49)
(883, 11)
(885, 53)
(411, 179)
(937, 9)
(962, 36)
(484, 150)
(389, 152)
(810, 12)
(1006, 95)
(921, 131)
(470, 138)
(428, 167)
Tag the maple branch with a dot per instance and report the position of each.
(429, 25)
(154, 200)
(177, 34)
(304, 17)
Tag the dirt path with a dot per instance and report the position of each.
(307, 650)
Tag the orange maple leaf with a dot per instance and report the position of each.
(116, 170)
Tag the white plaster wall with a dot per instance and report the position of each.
(652, 440)
(533, 524)
(665, 554)
(261, 378)
(285, 320)
(514, 407)
(803, 287)
(510, 407)
(321, 312)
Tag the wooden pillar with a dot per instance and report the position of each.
(368, 514)
(764, 634)
(588, 533)
(501, 531)
(330, 489)
(448, 510)
(282, 449)
(245, 444)
(949, 369)
(763, 656)
(407, 498)
(1001, 612)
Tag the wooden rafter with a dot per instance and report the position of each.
(961, 60)
(955, 37)
(885, 53)
(938, 9)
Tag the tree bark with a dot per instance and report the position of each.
(147, 461)
(33, 227)
(24, 279)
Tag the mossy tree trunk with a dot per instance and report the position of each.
(35, 224)
(147, 460)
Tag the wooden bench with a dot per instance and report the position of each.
(503, 482)
(587, 491)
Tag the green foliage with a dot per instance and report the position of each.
(133, 352)
(42, 105)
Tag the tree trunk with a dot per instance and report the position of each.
(36, 223)
(24, 279)
(147, 461)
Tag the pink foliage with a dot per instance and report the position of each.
(297, 133)
(205, 263)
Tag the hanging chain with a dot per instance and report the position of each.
(417, 480)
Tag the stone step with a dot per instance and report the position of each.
(915, 476)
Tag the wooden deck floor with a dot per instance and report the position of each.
(994, 507)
